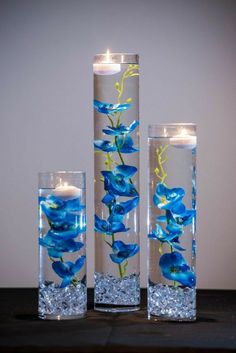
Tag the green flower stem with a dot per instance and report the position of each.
(110, 119)
(120, 271)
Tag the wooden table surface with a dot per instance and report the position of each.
(22, 331)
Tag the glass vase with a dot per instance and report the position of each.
(172, 222)
(116, 165)
(62, 248)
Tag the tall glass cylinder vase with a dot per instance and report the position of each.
(172, 222)
(116, 163)
(62, 261)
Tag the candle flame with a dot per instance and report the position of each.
(65, 183)
(108, 56)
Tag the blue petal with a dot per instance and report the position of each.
(125, 144)
(53, 214)
(54, 253)
(165, 198)
(177, 247)
(133, 125)
(113, 225)
(109, 108)
(186, 218)
(178, 209)
(174, 228)
(126, 171)
(74, 205)
(161, 219)
(101, 225)
(54, 201)
(118, 245)
(116, 183)
(175, 268)
(108, 199)
(78, 264)
(65, 282)
(104, 145)
(116, 259)
(121, 129)
(63, 269)
(124, 250)
(66, 234)
(125, 207)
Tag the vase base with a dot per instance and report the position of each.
(172, 319)
(61, 317)
(106, 308)
(171, 303)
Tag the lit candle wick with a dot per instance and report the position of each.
(106, 66)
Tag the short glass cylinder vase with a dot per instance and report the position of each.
(116, 164)
(62, 247)
(172, 222)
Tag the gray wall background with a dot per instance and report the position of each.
(188, 60)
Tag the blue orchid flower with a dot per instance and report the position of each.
(121, 129)
(175, 268)
(165, 198)
(182, 216)
(117, 182)
(65, 216)
(56, 203)
(172, 238)
(66, 234)
(109, 199)
(125, 144)
(74, 205)
(111, 226)
(122, 251)
(122, 208)
(104, 145)
(57, 247)
(109, 108)
(67, 270)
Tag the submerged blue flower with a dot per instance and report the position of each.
(117, 182)
(57, 246)
(175, 268)
(122, 208)
(125, 144)
(64, 215)
(121, 129)
(172, 238)
(122, 251)
(71, 233)
(165, 198)
(109, 199)
(104, 145)
(111, 226)
(184, 217)
(67, 270)
(109, 108)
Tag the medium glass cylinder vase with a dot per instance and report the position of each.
(172, 222)
(62, 254)
(116, 164)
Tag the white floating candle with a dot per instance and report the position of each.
(106, 67)
(183, 140)
(67, 192)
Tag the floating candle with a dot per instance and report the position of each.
(106, 67)
(183, 140)
(67, 192)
